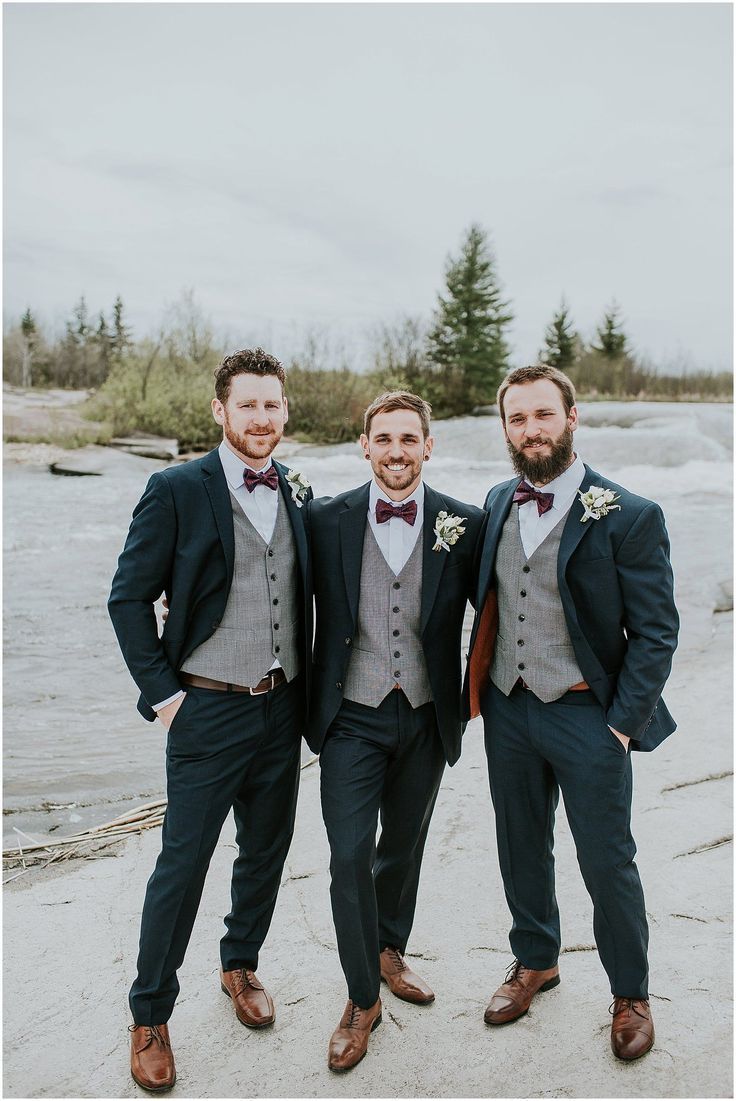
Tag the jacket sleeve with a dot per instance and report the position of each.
(651, 621)
(143, 573)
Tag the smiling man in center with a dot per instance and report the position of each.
(393, 570)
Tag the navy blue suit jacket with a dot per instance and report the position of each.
(337, 530)
(616, 586)
(181, 542)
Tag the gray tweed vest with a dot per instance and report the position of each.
(387, 650)
(261, 618)
(533, 641)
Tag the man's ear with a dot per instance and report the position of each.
(218, 410)
(286, 409)
(364, 445)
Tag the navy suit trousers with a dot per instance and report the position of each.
(385, 760)
(535, 750)
(224, 750)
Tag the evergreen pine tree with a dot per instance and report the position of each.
(103, 344)
(612, 340)
(467, 339)
(561, 341)
(28, 329)
(121, 337)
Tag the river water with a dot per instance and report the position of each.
(77, 753)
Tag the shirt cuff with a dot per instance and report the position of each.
(165, 703)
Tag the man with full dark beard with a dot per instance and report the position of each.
(223, 537)
(568, 656)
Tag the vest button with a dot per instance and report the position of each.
(526, 569)
(275, 600)
(270, 553)
(522, 618)
(276, 649)
(520, 642)
(522, 592)
(348, 641)
(273, 576)
(397, 673)
(397, 654)
(520, 665)
(395, 633)
(395, 608)
(275, 626)
(397, 585)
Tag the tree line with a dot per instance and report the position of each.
(162, 383)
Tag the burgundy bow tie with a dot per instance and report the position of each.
(525, 493)
(407, 511)
(251, 479)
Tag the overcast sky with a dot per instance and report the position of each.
(311, 166)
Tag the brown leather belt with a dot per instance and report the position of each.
(270, 681)
(581, 686)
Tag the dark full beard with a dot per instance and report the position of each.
(247, 448)
(540, 469)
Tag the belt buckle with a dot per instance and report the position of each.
(253, 692)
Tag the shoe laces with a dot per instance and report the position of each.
(627, 1004)
(396, 957)
(354, 1014)
(244, 979)
(514, 972)
(152, 1033)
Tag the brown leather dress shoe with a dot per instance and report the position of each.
(632, 1028)
(151, 1057)
(513, 998)
(349, 1041)
(402, 981)
(253, 1004)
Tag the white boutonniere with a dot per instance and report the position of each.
(597, 502)
(298, 485)
(448, 530)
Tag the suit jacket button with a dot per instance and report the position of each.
(348, 641)
(338, 684)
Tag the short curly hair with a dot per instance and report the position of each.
(248, 361)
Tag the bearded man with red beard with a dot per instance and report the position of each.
(223, 538)
(568, 656)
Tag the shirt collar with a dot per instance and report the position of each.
(565, 485)
(377, 494)
(234, 466)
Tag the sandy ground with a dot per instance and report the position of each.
(70, 943)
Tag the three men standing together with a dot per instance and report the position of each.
(575, 588)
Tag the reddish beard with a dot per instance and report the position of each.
(251, 447)
(543, 468)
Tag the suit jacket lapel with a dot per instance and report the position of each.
(353, 520)
(497, 518)
(433, 562)
(296, 518)
(217, 488)
(574, 529)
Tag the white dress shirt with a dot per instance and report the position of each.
(534, 528)
(260, 506)
(396, 539)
